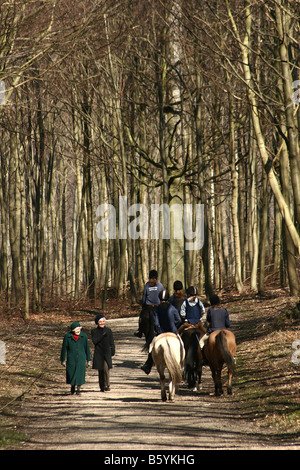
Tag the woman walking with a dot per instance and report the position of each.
(76, 349)
(103, 340)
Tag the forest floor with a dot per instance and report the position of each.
(38, 412)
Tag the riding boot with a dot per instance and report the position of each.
(148, 364)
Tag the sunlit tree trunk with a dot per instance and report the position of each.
(253, 216)
(234, 199)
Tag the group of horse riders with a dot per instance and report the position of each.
(178, 312)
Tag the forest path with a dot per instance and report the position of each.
(132, 416)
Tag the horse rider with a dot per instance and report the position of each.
(150, 298)
(166, 319)
(179, 296)
(217, 318)
(166, 316)
(191, 310)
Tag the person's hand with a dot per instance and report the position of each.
(63, 363)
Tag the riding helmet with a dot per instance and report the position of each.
(191, 291)
(164, 295)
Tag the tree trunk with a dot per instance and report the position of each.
(234, 199)
(253, 223)
(14, 220)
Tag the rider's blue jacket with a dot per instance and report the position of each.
(218, 319)
(166, 318)
(151, 294)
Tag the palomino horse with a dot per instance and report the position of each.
(168, 352)
(219, 350)
(193, 356)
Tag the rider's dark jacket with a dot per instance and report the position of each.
(166, 318)
(192, 312)
(218, 319)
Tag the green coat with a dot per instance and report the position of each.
(77, 353)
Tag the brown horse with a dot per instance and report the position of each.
(147, 326)
(219, 350)
(193, 356)
(168, 353)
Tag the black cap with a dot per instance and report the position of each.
(177, 285)
(98, 317)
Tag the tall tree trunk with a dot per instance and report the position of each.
(23, 239)
(86, 201)
(234, 199)
(14, 219)
(4, 283)
(253, 225)
(263, 234)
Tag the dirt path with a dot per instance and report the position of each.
(131, 416)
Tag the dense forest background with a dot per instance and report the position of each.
(160, 102)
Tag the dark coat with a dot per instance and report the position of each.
(166, 318)
(77, 353)
(104, 347)
(218, 319)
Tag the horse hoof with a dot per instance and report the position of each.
(195, 389)
(229, 391)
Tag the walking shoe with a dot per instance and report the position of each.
(138, 334)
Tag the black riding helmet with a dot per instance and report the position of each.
(164, 295)
(192, 291)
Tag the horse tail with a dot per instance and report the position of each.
(192, 352)
(221, 343)
(172, 365)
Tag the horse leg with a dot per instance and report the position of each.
(162, 384)
(190, 377)
(199, 375)
(171, 390)
(230, 371)
(163, 388)
(229, 385)
(218, 382)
